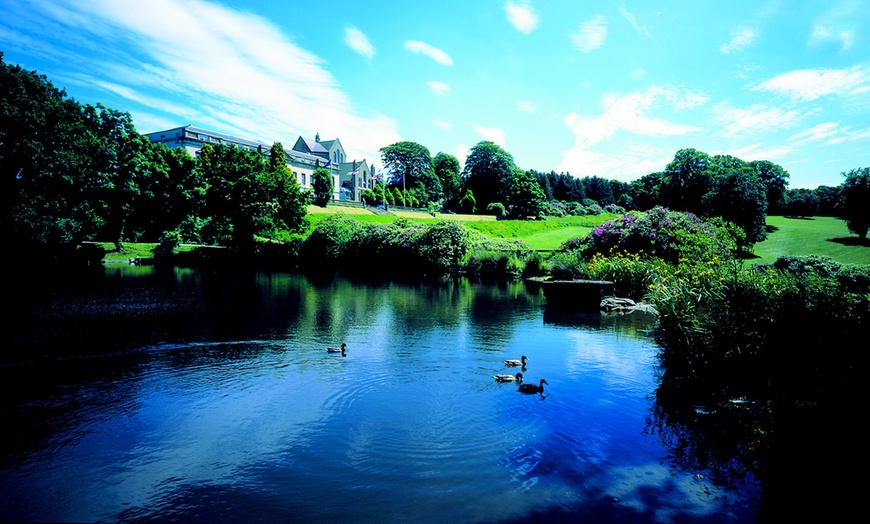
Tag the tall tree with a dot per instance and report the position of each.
(237, 204)
(646, 191)
(411, 163)
(488, 170)
(738, 195)
(284, 190)
(855, 202)
(775, 180)
(169, 198)
(525, 197)
(447, 170)
(801, 202)
(321, 183)
(686, 180)
(829, 200)
(119, 166)
(45, 166)
(599, 190)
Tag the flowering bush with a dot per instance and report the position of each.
(669, 235)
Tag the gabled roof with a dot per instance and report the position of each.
(307, 145)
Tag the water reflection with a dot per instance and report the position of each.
(212, 396)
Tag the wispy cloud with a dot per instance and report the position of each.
(641, 30)
(357, 40)
(493, 134)
(760, 152)
(521, 16)
(438, 88)
(824, 32)
(213, 66)
(817, 133)
(526, 106)
(629, 113)
(757, 119)
(830, 133)
(442, 125)
(837, 25)
(429, 50)
(742, 38)
(811, 84)
(590, 35)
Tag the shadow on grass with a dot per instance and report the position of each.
(851, 241)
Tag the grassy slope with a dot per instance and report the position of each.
(825, 236)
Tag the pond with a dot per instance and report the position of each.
(206, 396)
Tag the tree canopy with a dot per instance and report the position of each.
(411, 166)
(488, 171)
(855, 204)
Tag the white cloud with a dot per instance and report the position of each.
(816, 133)
(754, 120)
(637, 72)
(629, 113)
(829, 133)
(741, 38)
(438, 88)
(521, 16)
(493, 134)
(810, 84)
(428, 50)
(590, 35)
(442, 125)
(825, 33)
(641, 30)
(526, 106)
(217, 67)
(837, 25)
(759, 152)
(356, 40)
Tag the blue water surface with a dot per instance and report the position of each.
(239, 414)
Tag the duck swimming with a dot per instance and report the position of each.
(504, 377)
(336, 350)
(531, 388)
(514, 363)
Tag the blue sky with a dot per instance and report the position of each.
(592, 88)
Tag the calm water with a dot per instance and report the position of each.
(196, 396)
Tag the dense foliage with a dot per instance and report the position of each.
(71, 172)
(855, 204)
(661, 233)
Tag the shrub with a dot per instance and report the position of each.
(444, 245)
(169, 242)
(630, 274)
(565, 265)
(497, 209)
(327, 244)
(669, 235)
(594, 209)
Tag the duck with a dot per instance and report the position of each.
(337, 349)
(504, 377)
(531, 388)
(515, 363)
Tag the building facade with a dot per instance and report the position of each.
(349, 179)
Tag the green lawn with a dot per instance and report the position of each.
(824, 236)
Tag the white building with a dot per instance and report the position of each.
(349, 179)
